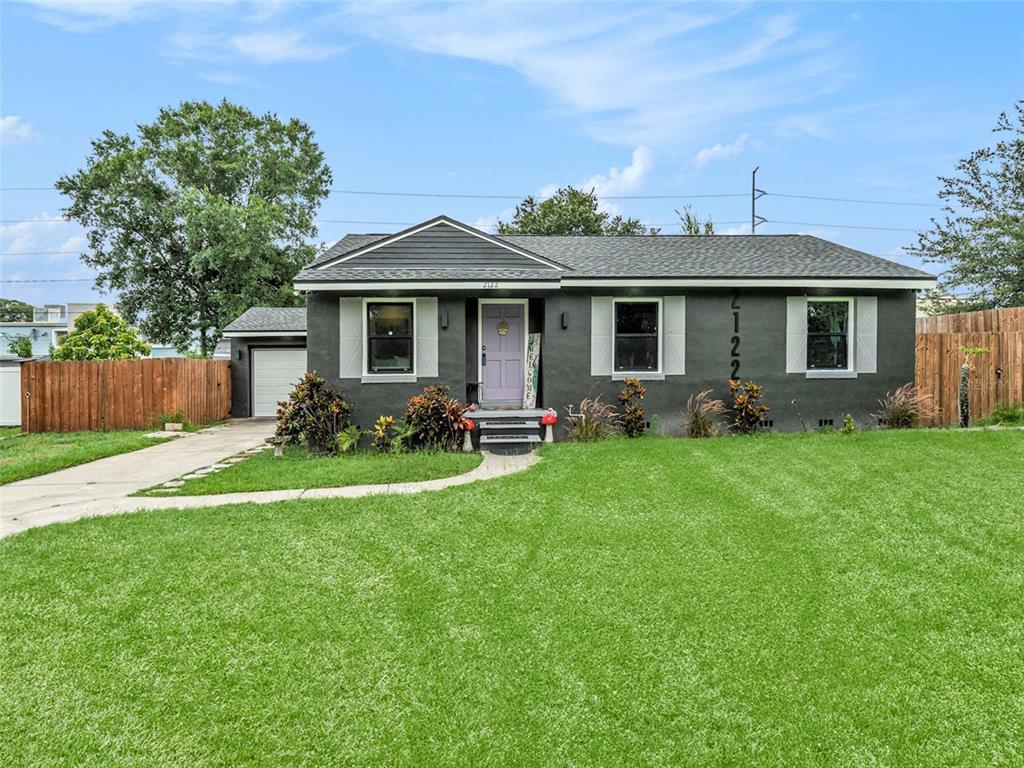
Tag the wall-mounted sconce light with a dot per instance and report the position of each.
(444, 319)
(565, 320)
(999, 372)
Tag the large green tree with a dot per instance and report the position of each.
(980, 237)
(100, 334)
(14, 311)
(569, 211)
(201, 214)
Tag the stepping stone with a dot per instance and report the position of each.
(218, 467)
(173, 484)
(235, 459)
(162, 490)
(191, 476)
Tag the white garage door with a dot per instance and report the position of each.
(274, 373)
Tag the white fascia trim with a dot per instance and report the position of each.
(260, 334)
(427, 285)
(449, 222)
(906, 284)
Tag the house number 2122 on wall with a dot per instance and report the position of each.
(734, 362)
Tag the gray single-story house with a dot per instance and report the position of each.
(521, 323)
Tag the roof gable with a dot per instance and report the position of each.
(440, 243)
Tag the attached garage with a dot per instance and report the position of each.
(268, 355)
(274, 374)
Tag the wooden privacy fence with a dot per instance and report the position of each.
(122, 394)
(987, 320)
(998, 374)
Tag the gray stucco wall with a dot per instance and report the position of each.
(565, 357)
(373, 400)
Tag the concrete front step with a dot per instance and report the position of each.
(508, 444)
(511, 424)
(522, 413)
(488, 440)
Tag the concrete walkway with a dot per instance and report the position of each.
(101, 487)
(104, 487)
(493, 465)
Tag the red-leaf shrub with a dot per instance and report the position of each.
(436, 419)
(634, 419)
(747, 409)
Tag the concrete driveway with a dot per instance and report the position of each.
(100, 487)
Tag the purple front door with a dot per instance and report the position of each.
(502, 355)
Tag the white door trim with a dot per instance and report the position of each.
(480, 337)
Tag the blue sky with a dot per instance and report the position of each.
(862, 100)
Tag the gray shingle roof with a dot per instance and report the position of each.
(284, 319)
(661, 256)
(710, 256)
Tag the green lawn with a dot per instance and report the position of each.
(817, 600)
(297, 469)
(29, 455)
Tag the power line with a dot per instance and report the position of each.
(454, 195)
(840, 226)
(38, 253)
(52, 280)
(28, 221)
(853, 200)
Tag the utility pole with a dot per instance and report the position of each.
(755, 195)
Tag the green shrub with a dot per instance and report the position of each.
(20, 346)
(748, 411)
(904, 408)
(634, 420)
(174, 418)
(436, 420)
(349, 437)
(595, 420)
(315, 414)
(849, 425)
(391, 435)
(700, 419)
(382, 433)
(1005, 414)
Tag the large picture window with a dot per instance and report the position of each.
(637, 341)
(828, 332)
(389, 337)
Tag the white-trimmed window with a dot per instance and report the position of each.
(389, 336)
(637, 327)
(830, 334)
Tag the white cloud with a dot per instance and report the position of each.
(23, 240)
(270, 48)
(706, 155)
(616, 182)
(651, 75)
(14, 130)
(90, 15)
(211, 30)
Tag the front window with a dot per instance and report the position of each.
(389, 337)
(828, 328)
(636, 335)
